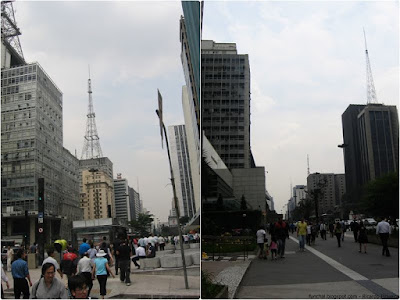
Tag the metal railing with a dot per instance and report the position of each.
(217, 246)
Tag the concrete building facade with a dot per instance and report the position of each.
(97, 196)
(182, 172)
(225, 96)
(134, 200)
(331, 187)
(32, 148)
(121, 200)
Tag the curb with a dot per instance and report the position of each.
(244, 274)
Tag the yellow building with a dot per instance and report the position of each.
(97, 197)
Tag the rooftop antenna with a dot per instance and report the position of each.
(91, 146)
(371, 93)
(308, 165)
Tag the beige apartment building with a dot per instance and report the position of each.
(97, 195)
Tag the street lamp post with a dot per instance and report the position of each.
(159, 114)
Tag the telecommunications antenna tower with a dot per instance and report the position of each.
(371, 93)
(9, 31)
(91, 146)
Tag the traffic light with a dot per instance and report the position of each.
(41, 194)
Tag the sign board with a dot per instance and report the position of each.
(40, 230)
(40, 215)
(40, 220)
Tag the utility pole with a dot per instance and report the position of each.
(164, 131)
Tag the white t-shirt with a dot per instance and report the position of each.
(140, 251)
(260, 236)
(308, 229)
(52, 261)
(161, 240)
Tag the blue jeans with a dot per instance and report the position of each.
(302, 241)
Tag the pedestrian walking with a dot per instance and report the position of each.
(161, 240)
(362, 237)
(338, 232)
(314, 232)
(273, 247)
(261, 237)
(355, 227)
(78, 288)
(322, 229)
(10, 257)
(92, 252)
(49, 287)
(331, 228)
(84, 247)
(384, 230)
(85, 268)
(50, 259)
(19, 271)
(301, 233)
(124, 252)
(69, 263)
(309, 234)
(100, 269)
(282, 233)
(5, 279)
(343, 229)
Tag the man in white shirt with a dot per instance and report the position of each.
(161, 242)
(50, 259)
(85, 267)
(384, 230)
(140, 254)
(261, 237)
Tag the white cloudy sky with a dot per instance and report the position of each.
(307, 64)
(132, 48)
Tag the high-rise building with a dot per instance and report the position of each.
(299, 193)
(190, 31)
(181, 166)
(225, 94)
(330, 188)
(370, 144)
(97, 195)
(378, 129)
(32, 148)
(134, 200)
(121, 199)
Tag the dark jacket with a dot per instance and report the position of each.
(281, 230)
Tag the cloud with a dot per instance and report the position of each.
(132, 48)
(307, 63)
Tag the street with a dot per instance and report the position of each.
(324, 271)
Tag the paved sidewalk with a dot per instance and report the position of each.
(227, 272)
(143, 284)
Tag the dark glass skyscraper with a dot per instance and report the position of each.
(225, 81)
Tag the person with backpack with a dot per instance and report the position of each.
(68, 263)
(338, 232)
(48, 286)
(106, 248)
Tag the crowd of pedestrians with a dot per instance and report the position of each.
(308, 231)
(81, 265)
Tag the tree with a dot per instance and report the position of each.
(243, 203)
(143, 224)
(381, 198)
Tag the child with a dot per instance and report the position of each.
(274, 247)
